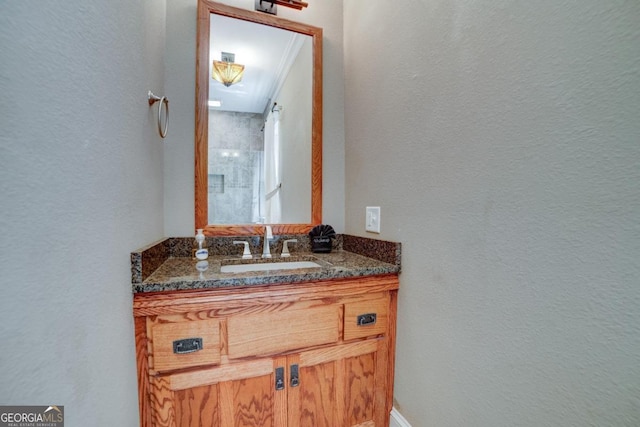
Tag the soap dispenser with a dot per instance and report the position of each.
(201, 253)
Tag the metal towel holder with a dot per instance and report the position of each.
(163, 101)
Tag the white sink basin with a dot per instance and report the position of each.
(268, 266)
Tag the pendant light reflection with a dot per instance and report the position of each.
(227, 71)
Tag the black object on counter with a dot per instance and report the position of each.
(321, 238)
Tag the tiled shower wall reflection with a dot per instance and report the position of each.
(236, 147)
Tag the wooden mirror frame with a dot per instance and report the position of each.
(205, 9)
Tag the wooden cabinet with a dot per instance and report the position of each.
(317, 354)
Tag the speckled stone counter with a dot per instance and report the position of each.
(168, 265)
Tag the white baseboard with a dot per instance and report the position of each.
(397, 420)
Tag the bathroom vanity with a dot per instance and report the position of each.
(278, 347)
(300, 340)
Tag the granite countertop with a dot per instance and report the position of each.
(167, 265)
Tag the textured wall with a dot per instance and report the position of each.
(502, 141)
(180, 85)
(80, 188)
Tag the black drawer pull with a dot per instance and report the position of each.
(187, 345)
(367, 319)
(280, 378)
(295, 376)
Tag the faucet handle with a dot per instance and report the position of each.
(246, 254)
(285, 247)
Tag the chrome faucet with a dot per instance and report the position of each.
(268, 235)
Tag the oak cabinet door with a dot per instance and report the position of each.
(339, 386)
(249, 402)
(234, 395)
(314, 401)
(197, 406)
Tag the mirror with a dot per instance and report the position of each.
(258, 157)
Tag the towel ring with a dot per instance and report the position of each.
(163, 101)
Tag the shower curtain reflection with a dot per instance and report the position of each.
(272, 172)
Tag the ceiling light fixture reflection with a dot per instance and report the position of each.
(227, 71)
(215, 103)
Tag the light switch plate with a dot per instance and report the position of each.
(372, 220)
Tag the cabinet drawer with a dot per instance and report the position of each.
(185, 344)
(366, 318)
(280, 331)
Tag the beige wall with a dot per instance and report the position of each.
(179, 146)
(80, 188)
(502, 142)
